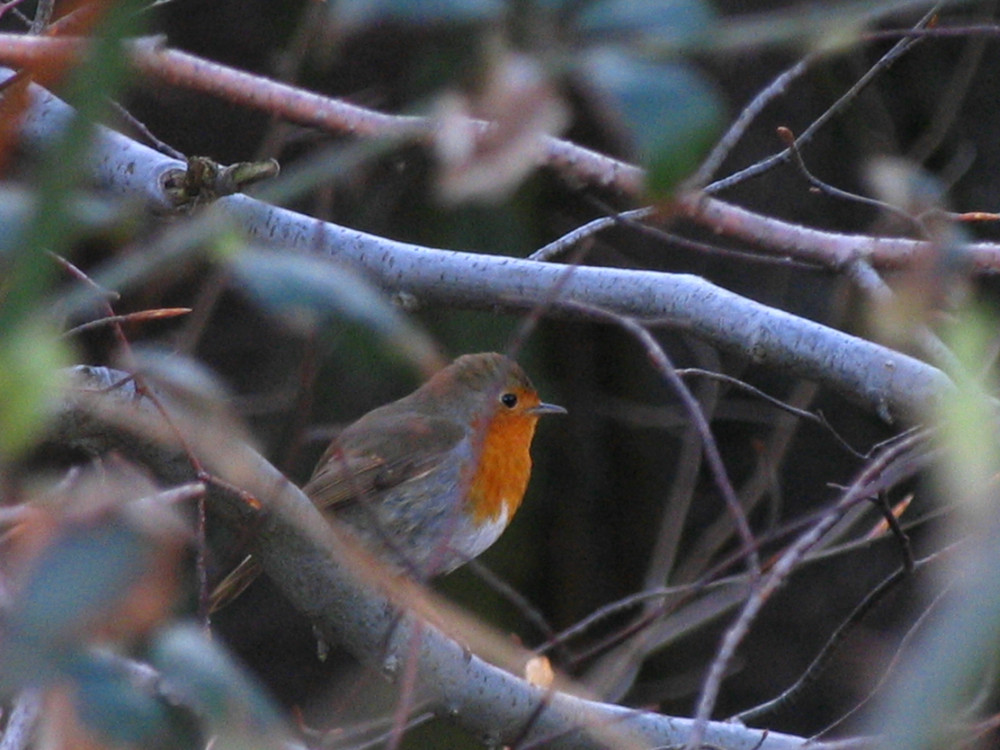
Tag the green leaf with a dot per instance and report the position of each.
(206, 678)
(670, 113)
(14, 208)
(313, 294)
(358, 13)
(110, 702)
(88, 213)
(668, 22)
(80, 576)
(31, 362)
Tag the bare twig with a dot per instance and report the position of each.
(911, 633)
(948, 105)
(788, 138)
(137, 317)
(43, 14)
(815, 418)
(788, 696)
(530, 612)
(662, 362)
(898, 50)
(140, 127)
(874, 477)
(765, 96)
(557, 247)
(11, 6)
(615, 608)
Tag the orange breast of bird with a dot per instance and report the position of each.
(503, 468)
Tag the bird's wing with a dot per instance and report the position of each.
(376, 454)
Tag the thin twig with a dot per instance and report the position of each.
(140, 127)
(905, 546)
(11, 5)
(528, 611)
(141, 316)
(815, 418)
(819, 664)
(677, 501)
(948, 104)
(615, 608)
(43, 14)
(559, 246)
(898, 50)
(765, 96)
(662, 362)
(933, 32)
(625, 219)
(788, 138)
(142, 388)
(875, 476)
(893, 663)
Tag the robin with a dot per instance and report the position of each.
(430, 481)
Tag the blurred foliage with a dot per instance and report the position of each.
(314, 297)
(30, 352)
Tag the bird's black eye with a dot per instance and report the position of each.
(509, 400)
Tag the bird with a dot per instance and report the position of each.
(430, 481)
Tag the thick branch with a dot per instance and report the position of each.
(883, 380)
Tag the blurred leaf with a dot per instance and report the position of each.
(14, 207)
(954, 651)
(519, 99)
(51, 226)
(669, 22)
(671, 113)
(83, 573)
(111, 701)
(90, 213)
(95, 556)
(312, 294)
(206, 678)
(356, 13)
(188, 383)
(968, 418)
(31, 358)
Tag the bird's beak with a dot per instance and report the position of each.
(541, 409)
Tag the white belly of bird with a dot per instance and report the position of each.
(478, 539)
